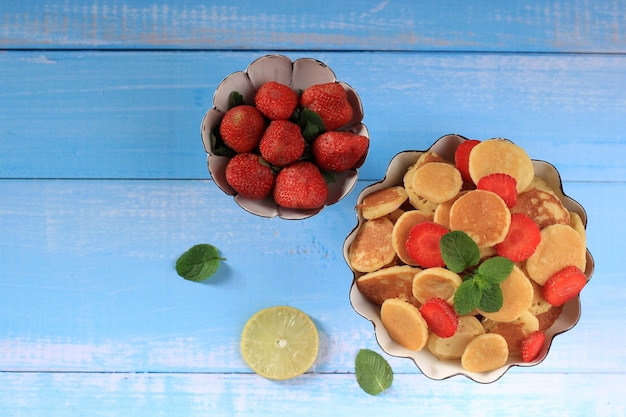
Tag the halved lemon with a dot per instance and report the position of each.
(280, 342)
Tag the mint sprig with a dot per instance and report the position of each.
(373, 372)
(199, 262)
(481, 281)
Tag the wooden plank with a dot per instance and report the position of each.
(531, 26)
(87, 282)
(138, 114)
(52, 395)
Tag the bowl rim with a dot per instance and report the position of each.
(367, 309)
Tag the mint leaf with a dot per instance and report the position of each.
(459, 251)
(492, 299)
(495, 270)
(467, 296)
(199, 262)
(310, 123)
(373, 372)
(235, 99)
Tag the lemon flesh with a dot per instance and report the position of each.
(280, 342)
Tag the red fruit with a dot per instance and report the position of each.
(532, 345)
(282, 143)
(339, 151)
(249, 177)
(423, 244)
(330, 102)
(502, 184)
(300, 186)
(521, 240)
(241, 128)
(461, 158)
(564, 285)
(276, 101)
(440, 317)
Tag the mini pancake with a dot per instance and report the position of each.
(371, 249)
(560, 246)
(447, 348)
(514, 331)
(417, 201)
(483, 215)
(435, 282)
(404, 323)
(577, 223)
(501, 156)
(437, 181)
(390, 282)
(542, 207)
(442, 212)
(545, 313)
(485, 352)
(428, 157)
(400, 232)
(539, 183)
(517, 294)
(382, 202)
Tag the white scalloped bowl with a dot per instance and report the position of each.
(428, 364)
(299, 75)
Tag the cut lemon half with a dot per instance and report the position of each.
(279, 342)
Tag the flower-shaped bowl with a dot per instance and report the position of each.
(298, 74)
(427, 363)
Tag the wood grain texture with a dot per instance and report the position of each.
(529, 26)
(138, 114)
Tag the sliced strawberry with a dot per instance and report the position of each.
(461, 157)
(521, 240)
(532, 345)
(423, 244)
(564, 285)
(440, 317)
(502, 184)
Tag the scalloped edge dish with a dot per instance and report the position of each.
(299, 74)
(427, 363)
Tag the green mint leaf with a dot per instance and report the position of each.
(330, 177)
(495, 270)
(467, 296)
(459, 251)
(235, 99)
(199, 262)
(492, 299)
(373, 372)
(310, 123)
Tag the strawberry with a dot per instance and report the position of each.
(330, 102)
(564, 285)
(521, 240)
(249, 176)
(241, 128)
(532, 345)
(423, 244)
(276, 101)
(461, 158)
(502, 184)
(300, 186)
(339, 151)
(440, 316)
(282, 143)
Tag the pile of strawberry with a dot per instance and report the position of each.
(289, 145)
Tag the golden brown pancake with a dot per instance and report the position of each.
(401, 229)
(404, 323)
(382, 202)
(501, 156)
(514, 332)
(483, 215)
(437, 182)
(560, 246)
(485, 352)
(435, 282)
(371, 249)
(442, 212)
(390, 282)
(542, 207)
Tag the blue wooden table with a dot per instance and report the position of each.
(103, 184)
